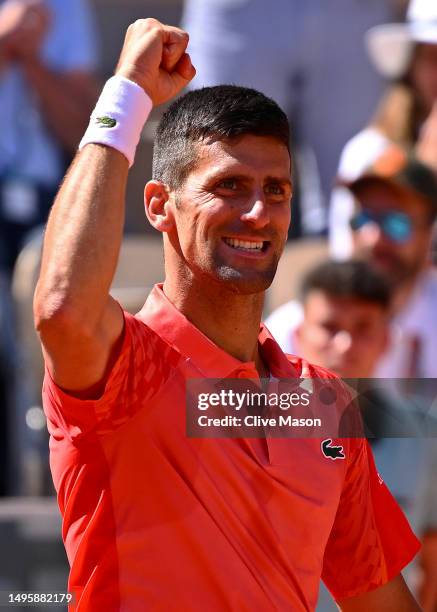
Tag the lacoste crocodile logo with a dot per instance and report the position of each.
(332, 452)
(106, 122)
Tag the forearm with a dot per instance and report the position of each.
(66, 102)
(78, 323)
(83, 239)
(4, 58)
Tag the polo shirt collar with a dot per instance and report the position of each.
(213, 362)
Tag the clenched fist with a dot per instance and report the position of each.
(154, 56)
(23, 26)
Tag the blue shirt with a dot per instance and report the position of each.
(27, 148)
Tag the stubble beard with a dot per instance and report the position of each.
(242, 281)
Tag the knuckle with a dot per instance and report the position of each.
(147, 23)
(152, 23)
(180, 33)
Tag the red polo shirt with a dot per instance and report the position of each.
(153, 520)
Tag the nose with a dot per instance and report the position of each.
(370, 234)
(343, 341)
(257, 214)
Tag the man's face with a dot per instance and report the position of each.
(233, 213)
(345, 335)
(400, 261)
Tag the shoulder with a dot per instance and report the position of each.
(143, 365)
(289, 312)
(71, 43)
(68, 8)
(286, 317)
(147, 345)
(430, 285)
(419, 311)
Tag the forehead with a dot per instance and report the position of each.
(252, 154)
(320, 305)
(426, 51)
(380, 196)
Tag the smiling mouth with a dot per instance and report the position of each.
(246, 245)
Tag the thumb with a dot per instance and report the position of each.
(184, 68)
(175, 44)
(182, 74)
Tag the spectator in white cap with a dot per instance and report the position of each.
(394, 206)
(406, 54)
(298, 53)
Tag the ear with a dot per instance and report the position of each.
(299, 333)
(157, 204)
(298, 330)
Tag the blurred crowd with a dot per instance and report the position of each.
(359, 83)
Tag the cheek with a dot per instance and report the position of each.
(372, 344)
(317, 339)
(196, 235)
(426, 77)
(189, 218)
(422, 243)
(413, 251)
(281, 217)
(358, 243)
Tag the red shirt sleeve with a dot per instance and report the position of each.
(371, 540)
(142, 367)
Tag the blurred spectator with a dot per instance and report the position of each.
(427, 528)
(344, 328)
(6, 372)
(47, 91)
(395, 204)
(345, 307)
(307, 56)
(406, 115)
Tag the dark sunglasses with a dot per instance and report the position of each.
(396, 226)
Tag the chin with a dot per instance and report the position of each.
(245, 284)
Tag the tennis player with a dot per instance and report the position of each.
(154, 519)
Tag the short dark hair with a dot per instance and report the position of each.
(224, 112)
(351, 279)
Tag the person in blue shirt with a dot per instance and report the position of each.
(47, 90)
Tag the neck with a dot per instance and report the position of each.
(404, 292)
(229, 319)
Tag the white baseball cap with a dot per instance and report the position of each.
(390, 45)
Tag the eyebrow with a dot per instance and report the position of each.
(214, 176)
(281, 180)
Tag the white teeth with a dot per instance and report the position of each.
(244, 244)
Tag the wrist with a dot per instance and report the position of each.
(119, 116)
(136, 77)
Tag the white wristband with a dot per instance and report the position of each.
(119, 117)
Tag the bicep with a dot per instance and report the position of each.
(79, 361)
(394, 596)
(370, 540)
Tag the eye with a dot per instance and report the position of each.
(330, 328)
(274, 189)
(228, 183)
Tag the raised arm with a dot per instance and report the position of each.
(79, 324)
